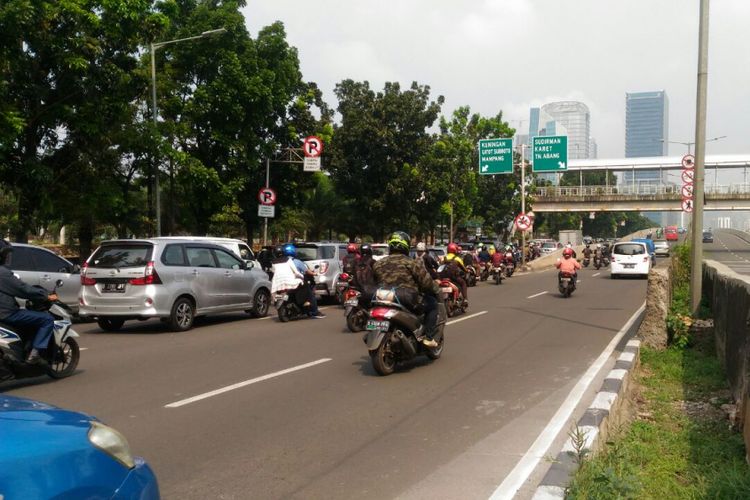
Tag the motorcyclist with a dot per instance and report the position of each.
(364, 277)
(12, 287)
(587, 252)
(598, 252)
(292, 273)
(484, 254)
(350, 259)
(398, 270)
(568, 264)
(569, 246)
(428, 260)
(455, 270)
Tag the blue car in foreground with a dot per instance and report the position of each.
(48, 452)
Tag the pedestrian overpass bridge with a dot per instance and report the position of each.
(661, 192)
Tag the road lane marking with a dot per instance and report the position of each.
(83, 349)
(523, 469)
(239, 385)
(595, 275)
(466, 317)
(536, 295)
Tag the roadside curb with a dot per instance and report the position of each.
(593, 427)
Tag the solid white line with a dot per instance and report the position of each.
(83, 349)
(523, 469)
(465, 317)
(595, 275)
(536, 295)
(239, 385)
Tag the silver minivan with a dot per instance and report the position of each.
(169, 278)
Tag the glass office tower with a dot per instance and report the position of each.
(575, 118)
(646, 124)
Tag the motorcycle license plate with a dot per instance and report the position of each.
(114, 288)
(351, 302)
(381, 326)
(565, 280)
(446, 289)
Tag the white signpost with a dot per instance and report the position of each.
(266, 211)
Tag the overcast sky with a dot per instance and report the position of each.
(509, 55)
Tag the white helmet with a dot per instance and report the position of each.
(598, 245)
(421, 247)
(568, 245)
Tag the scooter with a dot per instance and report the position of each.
(510, 264)
(61, 356)
(566, 283)
(343, 282)
(586, 262)
(471, 275)
(486, 271)
(497, 273)
(394, 333)
(290, 304)
(452, 298)
(356, 315)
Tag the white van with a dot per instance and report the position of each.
(630, 257)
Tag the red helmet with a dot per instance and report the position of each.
(568, 252)
(452, 248)
(351, 248)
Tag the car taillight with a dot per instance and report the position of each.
(150, 276)
(84, 280)
(323, 268)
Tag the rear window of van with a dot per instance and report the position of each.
(629, 249)
(125, 255)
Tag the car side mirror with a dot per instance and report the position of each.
(249, 264)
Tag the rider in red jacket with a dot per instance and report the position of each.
(568, 264)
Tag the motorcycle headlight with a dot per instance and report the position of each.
(112, 443)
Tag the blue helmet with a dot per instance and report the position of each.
(290, 250)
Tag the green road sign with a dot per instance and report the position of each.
(550, 153)
(495, 156)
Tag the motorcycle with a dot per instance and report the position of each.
(510, 264)
(62, 353)
(486, 270)
(343, 282)
(597, 262)
(290, 304)
(356, 315)
(394, 333)
(471, 275)
(566, 283)
(497, 273)
(605, 260)
(452, 298)
(586, 262)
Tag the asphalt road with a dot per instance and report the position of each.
(731, 248)
(332, 428)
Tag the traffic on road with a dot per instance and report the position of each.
(221, 403)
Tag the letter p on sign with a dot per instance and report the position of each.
(313, 146)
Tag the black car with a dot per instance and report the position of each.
(708, 237)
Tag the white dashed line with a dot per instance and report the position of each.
(536, 295)
(465, 318)
(595, 275)
(239, 385)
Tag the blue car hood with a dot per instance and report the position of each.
(13, 408)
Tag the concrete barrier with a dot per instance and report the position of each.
(728, 293)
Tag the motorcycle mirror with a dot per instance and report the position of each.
(59, 283)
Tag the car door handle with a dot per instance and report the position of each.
(227, 274)
(45, 277)
(195, 272)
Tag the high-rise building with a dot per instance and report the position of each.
(646, 134)
(574, 116)
(646, 124)
(593, 148)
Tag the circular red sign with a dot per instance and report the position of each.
(687, 190)
(523, 222)
(687, 205)
(688, 161)
(267, 196)
(688, 176)
(313, 146)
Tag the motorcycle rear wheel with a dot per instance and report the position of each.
(382, 358)
(355, 321)
(65, 361)
(498, 278)
(284, 313)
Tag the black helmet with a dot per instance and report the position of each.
(5, 249)
(278, 251)
(365, 249)
(399, 242)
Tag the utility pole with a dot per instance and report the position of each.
(696, 250)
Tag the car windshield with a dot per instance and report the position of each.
(380, 251)
(549, 245)
(661, 243)
(630, 249)
(115, 256)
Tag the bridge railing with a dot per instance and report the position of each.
(634, 190)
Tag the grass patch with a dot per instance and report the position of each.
(679, 444)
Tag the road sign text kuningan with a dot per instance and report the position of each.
(495, 156)
(550, 153)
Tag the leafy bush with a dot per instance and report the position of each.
(679, 319)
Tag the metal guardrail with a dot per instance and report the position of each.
(637, 190)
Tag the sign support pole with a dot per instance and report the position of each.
(523, 203)
(265, 219)
(696, 250)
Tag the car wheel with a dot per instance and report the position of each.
(110, 324)
(261, 303)
(182, 315)
(65, 359)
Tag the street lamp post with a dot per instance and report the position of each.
(692, 143)
(153, 47)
